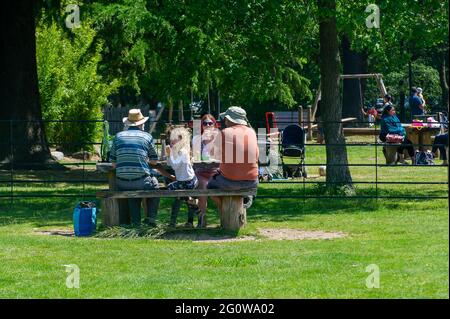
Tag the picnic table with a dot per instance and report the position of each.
(232, 213)
(421, 136)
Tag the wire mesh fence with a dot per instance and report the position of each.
(372, 177)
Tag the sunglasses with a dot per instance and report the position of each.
(208, 123)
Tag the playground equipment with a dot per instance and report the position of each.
(377, 76)
(306, 116)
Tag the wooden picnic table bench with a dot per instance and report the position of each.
(232, 213)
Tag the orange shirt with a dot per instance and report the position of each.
(239, 153)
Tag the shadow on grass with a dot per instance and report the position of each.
(167, 233)
(57, 211)
(270, 208)
(72, 173)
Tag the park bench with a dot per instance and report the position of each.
(232, 213)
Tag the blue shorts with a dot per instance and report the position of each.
(220, 182)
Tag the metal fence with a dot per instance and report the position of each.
(81, 182)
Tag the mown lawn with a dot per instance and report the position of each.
(406, 238)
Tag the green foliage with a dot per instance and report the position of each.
(424, 76)
(259, 53)
(407, 29)
(248, 50)
(70, 86)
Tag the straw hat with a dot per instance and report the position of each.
(236, 115)
(134, 118)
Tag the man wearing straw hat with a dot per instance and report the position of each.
(132, 153)
(238, 152)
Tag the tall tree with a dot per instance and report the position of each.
(353, 62)
(20, 110)
(338, 172)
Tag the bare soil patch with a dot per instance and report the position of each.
(298, 234)
(205, 238)
(267, 233)
(57, 232)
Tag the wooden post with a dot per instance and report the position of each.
(163, 146)
(309, 117)
(300, 116)
(233, 215)
(180, 111)
(124, 212)
(110, 212)
(170, 104)
(390, 153)
(113, 215)
(158, 116)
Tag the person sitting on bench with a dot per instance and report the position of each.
(390, 124)
(441, 143)
(131, 153)
(237, 149)
(203, 149)
(179, 158)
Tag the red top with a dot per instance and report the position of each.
(372, 112)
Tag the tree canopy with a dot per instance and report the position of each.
(261, 54)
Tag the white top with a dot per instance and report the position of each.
(202, 150)
(182, 167)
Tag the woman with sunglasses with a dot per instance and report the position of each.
(204, 144)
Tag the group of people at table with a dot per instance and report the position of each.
(392, 130)
(235, 147)
(135, 160)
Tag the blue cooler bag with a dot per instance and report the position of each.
(84, 219)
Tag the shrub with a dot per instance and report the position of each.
(70, 87)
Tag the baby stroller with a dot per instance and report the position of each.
(293, 145)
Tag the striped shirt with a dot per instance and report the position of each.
(131, 150)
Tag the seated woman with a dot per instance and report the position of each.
(440, 143)
(390, 124)
(203, 145)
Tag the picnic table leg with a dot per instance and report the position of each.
(110, 212)
(390, 153)
(233, 215)
(123, 210)
(421, 141)
(145, 207)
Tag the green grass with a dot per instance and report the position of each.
(406, 238)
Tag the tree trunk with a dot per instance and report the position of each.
(338, 172)
(401, 105)
(170, 105)
(180, 111)
(21, 128)
(444, 82)
(353, 97)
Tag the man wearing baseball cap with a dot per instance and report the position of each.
(415, 103)
(132, 152)
(237, 150)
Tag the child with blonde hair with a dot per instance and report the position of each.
(179, 158)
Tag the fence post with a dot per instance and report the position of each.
(84, 169)
(376, 164)
(11, 167)
(300, 116)
(309, 115)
